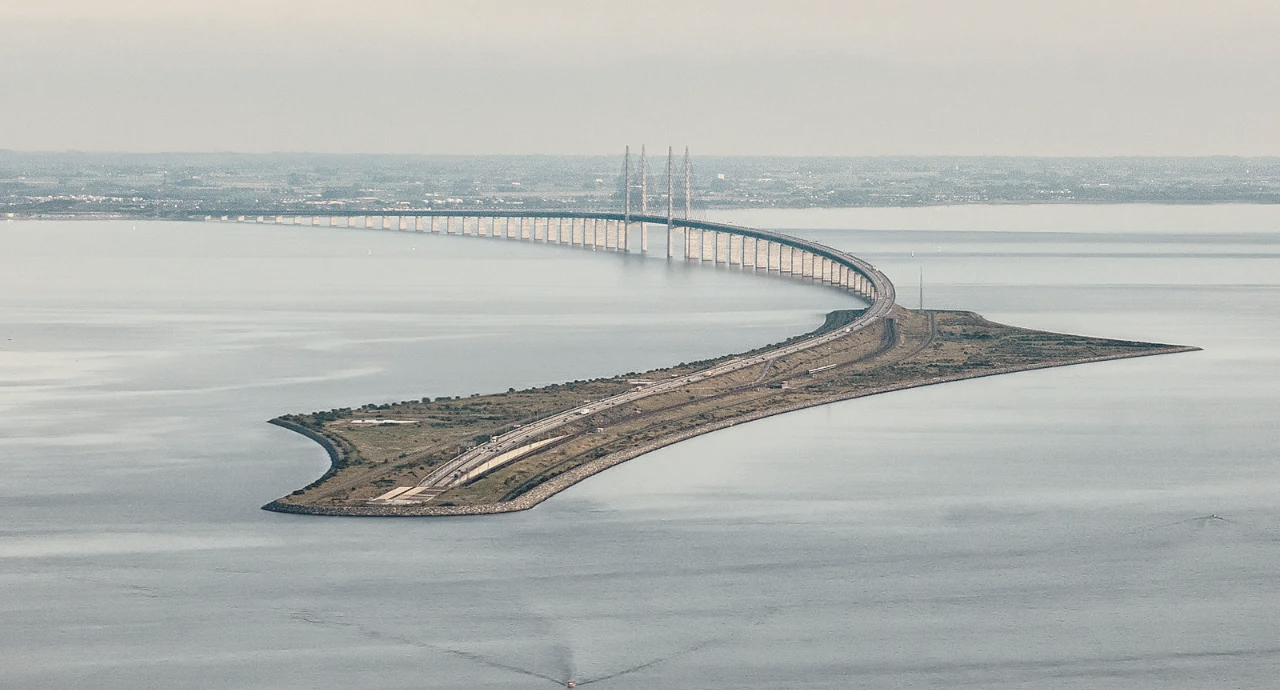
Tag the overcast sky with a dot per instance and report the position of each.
(851, 77)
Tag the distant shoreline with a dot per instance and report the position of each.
(185, 215)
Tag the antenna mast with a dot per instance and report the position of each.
(922, 288)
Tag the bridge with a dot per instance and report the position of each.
(699, 240)
(689, 239)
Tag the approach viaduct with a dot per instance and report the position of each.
(703, 241)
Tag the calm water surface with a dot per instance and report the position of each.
(1107, 525)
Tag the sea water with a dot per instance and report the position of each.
(1108, 525)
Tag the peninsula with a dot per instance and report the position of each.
(510, 451)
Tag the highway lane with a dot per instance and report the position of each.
(451, 473)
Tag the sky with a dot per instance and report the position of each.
(803, 77)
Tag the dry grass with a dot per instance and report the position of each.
(916, 348)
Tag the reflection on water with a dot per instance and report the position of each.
(1112, 524)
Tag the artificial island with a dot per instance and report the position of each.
(510, 451)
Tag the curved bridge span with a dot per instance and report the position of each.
(701, 241)
(718, 243)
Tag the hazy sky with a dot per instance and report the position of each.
(853, 77)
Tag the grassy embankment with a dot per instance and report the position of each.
(916, 348)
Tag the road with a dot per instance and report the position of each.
(451, 473)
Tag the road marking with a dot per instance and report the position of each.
(392, 493)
